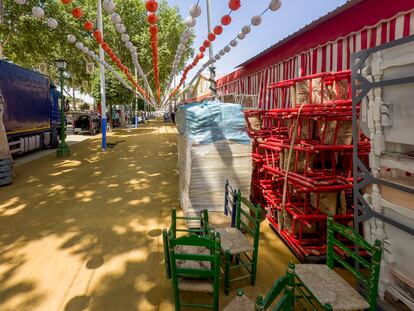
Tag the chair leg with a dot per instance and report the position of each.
(176, 294)
(227, 273)
(254, 267)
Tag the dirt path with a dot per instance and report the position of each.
(85, 233)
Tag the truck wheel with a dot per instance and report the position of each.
(55, 139)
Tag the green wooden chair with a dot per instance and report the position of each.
(227, 218)
(283, 287)
(241, 242)
(320, 287)
(179, 227)
(195, 267)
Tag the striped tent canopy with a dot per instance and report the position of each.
(327, 45)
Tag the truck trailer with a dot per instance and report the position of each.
(31, 109)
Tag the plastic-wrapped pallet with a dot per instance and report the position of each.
(213, 146)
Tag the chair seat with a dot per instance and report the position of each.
(233, 240)
(218, 220)
(191, 264)
(195, 285)
(240, 303)
(329, 287)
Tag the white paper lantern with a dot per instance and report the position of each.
(38, 12)
(241, 36)
(21, 2)
(79, 45)
(217, 56)
(222, 52)
(256, 20)
(133, 49)
(91, 53)
(195, 11)
(71, 39)
(124, 38)
(120, 28)
(181, 47)
(246, 29)
(85, 50)
(227, 49)
(108, 6)
(183, 40)
(190, 22)
(233, 43)
(52, 23)
(116, 18)
(128, 45)
(275, 5)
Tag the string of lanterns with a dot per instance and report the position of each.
(152, 7)
(80, 46)
(233, 5)
(256, 20)
(190, 22)
(109, 7)
(52, 23)
(88, 25)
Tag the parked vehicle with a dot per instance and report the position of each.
(31, 109)
(86, 122)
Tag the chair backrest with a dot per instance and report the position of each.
(230, 202)
(211, 271)
(285, 284)
(201, 227)
(248, 218)
(338, 251)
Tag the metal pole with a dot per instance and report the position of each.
(63, 149)
(103, 95)
(136, 101)
(210, 50)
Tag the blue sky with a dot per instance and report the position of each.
(275, 26)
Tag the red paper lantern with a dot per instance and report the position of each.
(66, 1)
(234, 5)
(211, 36)
(153, 30)
(226, 20)
(202, 49)
(89, 26)
(218, 30)
(152, 18)
(77, 13)
(200, 55)
(151, 6)
(206, 43)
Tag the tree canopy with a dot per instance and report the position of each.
(27, 41)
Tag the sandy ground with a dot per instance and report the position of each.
(84, 233)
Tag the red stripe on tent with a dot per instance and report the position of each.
(314, 61)
(324, 59)
(364, 39)
(392, 29)
(407, 20)
(373, 41)
(340, 55)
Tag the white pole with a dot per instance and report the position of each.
(210, 50)
(103, 95)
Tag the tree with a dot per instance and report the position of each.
(27, 41)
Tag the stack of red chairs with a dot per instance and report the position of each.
(307, 143)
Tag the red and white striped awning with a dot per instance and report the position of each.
(334, 56)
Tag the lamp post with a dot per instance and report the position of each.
(63, 149)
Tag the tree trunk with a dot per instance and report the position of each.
(1, 14)
(111, 121)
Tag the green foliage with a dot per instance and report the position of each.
(116, 93)
(27, 41)
(84, 107)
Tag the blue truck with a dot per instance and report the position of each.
(31, 109)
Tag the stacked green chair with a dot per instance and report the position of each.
(200, 226)
(227, 218)
(241, 242)
(320, 287)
